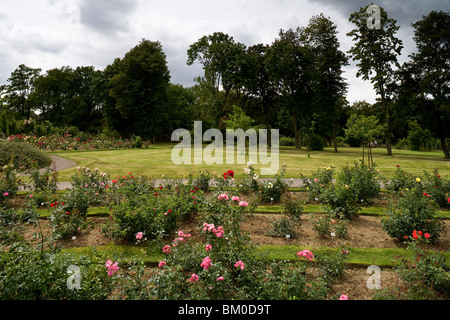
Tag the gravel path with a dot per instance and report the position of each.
(62, 163)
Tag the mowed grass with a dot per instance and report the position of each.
(156, 160)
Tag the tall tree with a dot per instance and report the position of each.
(20, 87)
(52, 94)
(426, 78)
(258, 86)
(290, 65)
(221, 57)
(140, 89)
(330, 86)
(376, 50)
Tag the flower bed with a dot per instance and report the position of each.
(77, 142)
(207, 242)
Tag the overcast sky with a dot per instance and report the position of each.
(50, 34)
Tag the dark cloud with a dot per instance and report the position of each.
(404, 11)
(107, 16)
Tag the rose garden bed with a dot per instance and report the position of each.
(364, 232)
(175, 213)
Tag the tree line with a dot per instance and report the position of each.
(294, 84)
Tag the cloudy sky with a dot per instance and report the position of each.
(50, 34)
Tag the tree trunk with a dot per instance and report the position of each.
(363, 154)
(297, 138)
(334, 132)
(387, 131)
(445, 148)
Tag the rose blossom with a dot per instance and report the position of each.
(206, 263)
(194, 277)
(306, 253)
(240, 264)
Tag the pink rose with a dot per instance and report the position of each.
(206, 263)
(194, 277)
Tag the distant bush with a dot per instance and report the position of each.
(22, 155)
(287, 141)
(317, 143)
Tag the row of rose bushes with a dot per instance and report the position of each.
(223, 265)
(80, 141)
(412, 202)
(135, 201)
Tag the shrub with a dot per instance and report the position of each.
(137, 141)
(271, 192)
(320, 179)
(292, 207)
(93, 182)
(331, 265)
(326, 224)
(287, 141)
(411, 211)
(224, 266)
(317, 143)
(437, 187)
(362, 180)
(203, 180)
(43, 185)
(8, 217)
(68, 216)
(249, 183)
(154, 211)
(131, 188)
(9, 184)
(340, 200)
(21, 154)
(424, 275)
(28, 273)
(401, 180)
(281, 228)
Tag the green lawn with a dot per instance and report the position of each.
(361, 257)
(156, 160)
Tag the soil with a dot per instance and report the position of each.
(364, 231)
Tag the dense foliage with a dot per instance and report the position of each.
(294, 84)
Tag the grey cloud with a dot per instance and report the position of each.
(404, 11)
(107, 16)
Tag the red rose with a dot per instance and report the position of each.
(230, 173)
(427, 235)
(420, 233)
(415, 236)
(398, 166)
